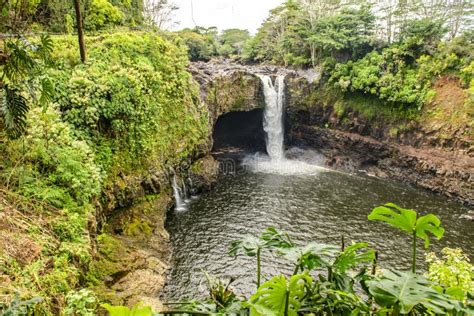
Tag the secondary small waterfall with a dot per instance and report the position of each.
(180, 205)
(273, 116)
(185, 192)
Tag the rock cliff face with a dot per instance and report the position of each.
(421, 151)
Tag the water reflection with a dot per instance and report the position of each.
(319, 207)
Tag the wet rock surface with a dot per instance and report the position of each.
(203, 174)
(227, 87)
(133, 255)
(431, 168)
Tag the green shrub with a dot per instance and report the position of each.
(385, 75)
(56, 166)
(453, 271)
(81, 303)
(137, 310)
(201, 47)
(102, 13)
(135, 102)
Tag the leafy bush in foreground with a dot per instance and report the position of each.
(453, 272)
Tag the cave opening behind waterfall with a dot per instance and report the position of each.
(239, 133)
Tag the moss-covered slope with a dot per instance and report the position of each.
(113, 129)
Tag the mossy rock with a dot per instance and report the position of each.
(139, 228)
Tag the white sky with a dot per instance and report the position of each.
(224, 14)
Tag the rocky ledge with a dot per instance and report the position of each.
(431, 168)
(227, 87)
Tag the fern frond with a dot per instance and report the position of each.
(52, 195)
(13, 109)
(47, 90)
(45, 48)
(19, 62)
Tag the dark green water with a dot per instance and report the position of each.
(320, 206)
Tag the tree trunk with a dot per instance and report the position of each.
(80, 30)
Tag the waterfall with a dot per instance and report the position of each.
(273, 116)
(301, 162)
(180, 205)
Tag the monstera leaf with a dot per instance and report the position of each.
(402, 291)
(352, 256)
(252, 246)
(408, 220)
(279, 296)
(271, 238)
(249, 245)
(312, 256)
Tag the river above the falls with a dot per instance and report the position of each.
(320, 206)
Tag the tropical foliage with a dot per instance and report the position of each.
(409, 221)
(71, 133)
(22, 81)
(58, 15)
(110, 117)
(334, 280)
(357, 55)
(453, 272)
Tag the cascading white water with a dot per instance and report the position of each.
(276, 162)
(273, 116)
(180, 205)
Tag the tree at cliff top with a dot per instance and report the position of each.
(303, 32)
(202, 43)
(159, 13)
(232, 42)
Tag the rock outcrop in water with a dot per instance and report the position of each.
(418, 152)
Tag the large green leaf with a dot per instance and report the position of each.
(271, 238)
(326, 300)
(270, 298)
(137, 310)
(352, 256)
(395, 216)
(249, 245)
(429, 223)
(312, 256)
(407, 220)
(402, 291)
